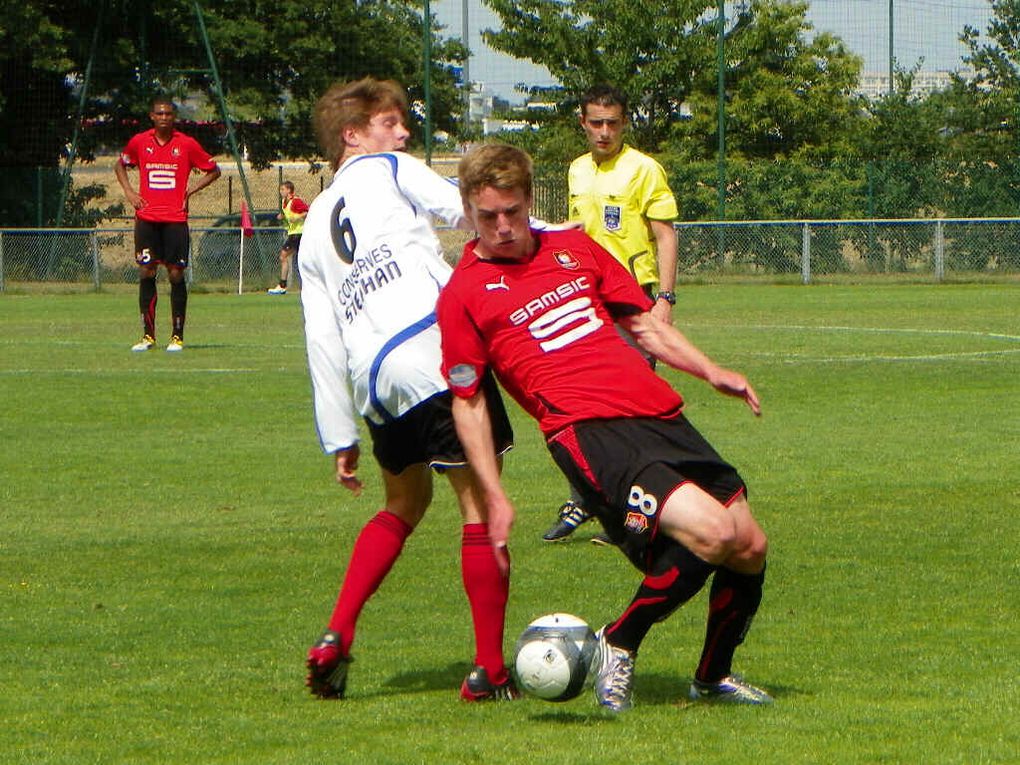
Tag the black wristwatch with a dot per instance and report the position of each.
(669, 297)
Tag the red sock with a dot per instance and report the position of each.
(487, 590)
(376, 549)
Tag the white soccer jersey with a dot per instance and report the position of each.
(371, 270)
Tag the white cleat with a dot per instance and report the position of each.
(146, 343)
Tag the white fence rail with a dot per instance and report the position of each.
(810, 249)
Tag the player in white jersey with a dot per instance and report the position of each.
(372, 268)
(375, 268)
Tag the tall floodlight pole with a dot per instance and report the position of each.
(427, 46)
(465, 31)
(892, 87)
(218, 87)
(720, 55)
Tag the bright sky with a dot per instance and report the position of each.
(922, 29)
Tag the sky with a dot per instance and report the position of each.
(923, 30)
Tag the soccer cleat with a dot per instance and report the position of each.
(614, 675)
(176, 345)
(277, 291)
(327, 667)
(732, 689)
(147, 342)
(478, 687)
(572, 515)
(602, 539)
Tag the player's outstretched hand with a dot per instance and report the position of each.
(735, 384)
(347, 469)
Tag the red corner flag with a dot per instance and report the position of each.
(246, 227)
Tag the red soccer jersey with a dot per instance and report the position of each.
(163, 170)
(545, 327)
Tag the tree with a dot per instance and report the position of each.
(784, 91)
(651, 50)
(274, 59)
(788, 92)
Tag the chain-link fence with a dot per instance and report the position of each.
(105, 256)
(817, 249)
(973, 246)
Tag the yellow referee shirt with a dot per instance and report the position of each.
(615, 200)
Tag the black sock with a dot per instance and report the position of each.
(178, 306)
(147, 304)
(683, 575)
(732, 605)
(283, 283)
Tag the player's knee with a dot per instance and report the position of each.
(714, 538)
(410, 512)
(750, 552)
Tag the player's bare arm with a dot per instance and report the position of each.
(132, 196)
(666, 254)
(207, 178)
(471, 417)
(347, 468)
(669, 344)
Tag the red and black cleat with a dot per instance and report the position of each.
(478, 687)
(327, 667)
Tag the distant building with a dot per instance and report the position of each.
(480, 102)
(874, 86)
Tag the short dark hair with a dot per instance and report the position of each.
(604, 95)
(162, 100)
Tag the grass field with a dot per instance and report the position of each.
(171, 543)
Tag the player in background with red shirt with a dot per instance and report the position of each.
(538, 308)
(165, 158)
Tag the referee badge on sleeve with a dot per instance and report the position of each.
(611, 215)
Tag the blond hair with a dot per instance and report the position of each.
(494, 165)
(352, 104)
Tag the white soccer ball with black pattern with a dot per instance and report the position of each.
(553, 656)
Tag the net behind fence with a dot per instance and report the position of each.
(825, 248)
(812, 250)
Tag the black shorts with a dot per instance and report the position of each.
(292, 243)
(427, 433)
(626, 469)
(166, 243)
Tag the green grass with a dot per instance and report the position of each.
(171, 542)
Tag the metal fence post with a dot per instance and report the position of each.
(940, 251)
(3, 288)
(94, 238)
(805, 254)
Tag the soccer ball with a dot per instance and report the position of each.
(553, 655)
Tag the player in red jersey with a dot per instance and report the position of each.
(165, 158)
(538, 308)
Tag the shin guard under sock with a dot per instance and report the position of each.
(147, 304)
(732, 605)
(683, 575)
(375, 551)
(178, 306)
(488, 590)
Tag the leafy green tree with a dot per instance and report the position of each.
(274, 59)
(651, 50)
(787, 92)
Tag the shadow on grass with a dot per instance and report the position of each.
(434, 679)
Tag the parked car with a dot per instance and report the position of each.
(219, 244)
